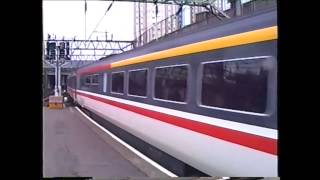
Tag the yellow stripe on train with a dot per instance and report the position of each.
(259, 35)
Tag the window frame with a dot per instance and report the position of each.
(124, 80)
(199, 85)
(154, 83)
(141, 69)
(105, 82)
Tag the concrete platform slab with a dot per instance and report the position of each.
(71, 149)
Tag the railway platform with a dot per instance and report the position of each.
(74, 147)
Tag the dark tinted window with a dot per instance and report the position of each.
(94, 79)
(117, 82)
(171, 83)
(239, 85)
(85, 82)
(138, 82)
(88, 79)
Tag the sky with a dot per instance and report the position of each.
(62, 18)
(67, 18)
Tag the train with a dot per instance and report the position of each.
(207, 97)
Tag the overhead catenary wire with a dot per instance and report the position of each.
(109, 7)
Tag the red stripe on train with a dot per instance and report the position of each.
(260, 143)
(95, 69)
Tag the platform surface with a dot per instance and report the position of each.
(72, 149)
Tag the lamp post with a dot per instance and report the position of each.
(57, 86)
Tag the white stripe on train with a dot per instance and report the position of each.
(256, 130)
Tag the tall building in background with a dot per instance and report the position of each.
(220, 4)
(145, 16)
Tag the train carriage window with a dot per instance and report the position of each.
(94, 79)
(117, 82)
(104, 82)
(171, 83)
(88, 80)
(138, 82)
(238, 85)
